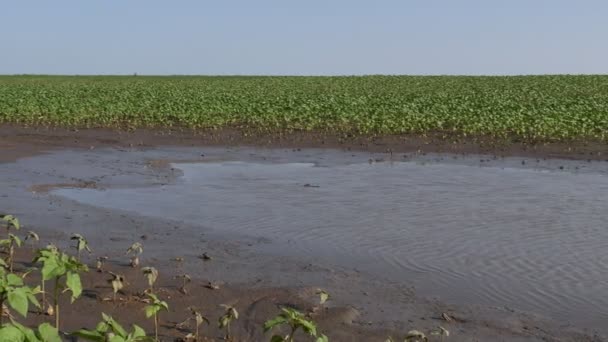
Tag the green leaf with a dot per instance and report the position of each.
(11, 333)
(138, 332)
(90, 335)
(28, 333)
(32, 298)
(17, 299)
(15, 239)
(48, 333)
(308, 326)
(116, 338)
(73, 283)
(151, 310)
(322, 338)
(271, 323)
(3, 263)
(117, 328)
(14, 280)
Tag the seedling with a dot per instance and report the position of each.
(58, 266)
(81, 244)
(10, 243)
(135, 250)
(415, 336)
(295, 320)
(441, 332)
(226, 319)
(110, 330)
(152, 310)
(100, 261)
(323, 296)
(34, 238)
(151, 274)
(198, 319)
(185, 280)
(118, 283)
(14, 292)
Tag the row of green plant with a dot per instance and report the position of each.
(529, 107)
(64, 271)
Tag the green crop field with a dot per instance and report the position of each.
(528, 107)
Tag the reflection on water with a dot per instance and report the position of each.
(532, 240)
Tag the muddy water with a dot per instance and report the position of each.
(525, 238)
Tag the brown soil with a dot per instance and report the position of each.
(20, 141)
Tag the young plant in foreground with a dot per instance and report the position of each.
(152, 310)
(11, 222)
(151, 274)
(226, 319)
(295, 320)
(10, 243)
(16, 332)
(59, 266)
(81, 244)
(135, 250)
(110, 330)
(14, 292)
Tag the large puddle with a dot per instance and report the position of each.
(527, 239)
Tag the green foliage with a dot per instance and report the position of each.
(11, 222)
(155, 306)
(152, 310)
(16, 293)
(553, 107)
(14, 332)
(58, 265)
(295, 320)
(110, 330)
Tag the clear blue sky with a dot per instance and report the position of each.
(308, 37)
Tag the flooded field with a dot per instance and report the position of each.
(526, 234)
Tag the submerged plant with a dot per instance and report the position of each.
(153, 309)
(111, 331)
(135, 250)
(295, 320)
(226, 319)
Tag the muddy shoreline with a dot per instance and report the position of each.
(18, 141)
(362, 308)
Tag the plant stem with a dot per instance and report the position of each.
(1, 311)
(156, 327)
(11, 252)
(56, 302)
